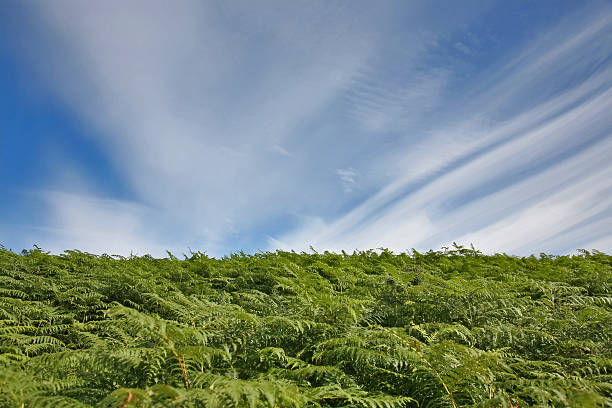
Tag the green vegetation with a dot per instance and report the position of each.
(452, 328)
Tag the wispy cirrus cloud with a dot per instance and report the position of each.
(188, 112)
(99, 225)
(246, 125)
(521, 182)
(348, 178)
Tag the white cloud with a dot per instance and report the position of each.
(422, 206)
(218, 117)
(347, 178)
(280, 149)
(460, 46)
(172, 92)
(603, 244)
(576, 196)
(98, 226)
(380, 106)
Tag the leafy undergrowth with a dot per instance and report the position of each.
(452, 328)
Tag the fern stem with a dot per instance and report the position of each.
(422, 356)
(180, 361)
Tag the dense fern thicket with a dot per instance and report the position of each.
(451, 328)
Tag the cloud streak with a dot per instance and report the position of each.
(336, 125)
(519, 184)
(177, 110)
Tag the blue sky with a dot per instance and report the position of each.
(143, 126)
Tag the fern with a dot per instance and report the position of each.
(373, 329)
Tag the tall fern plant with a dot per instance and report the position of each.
(450, 328)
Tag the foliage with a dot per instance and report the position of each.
(451, 328)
